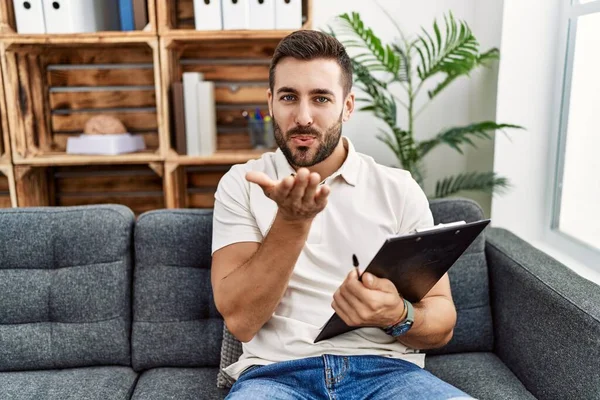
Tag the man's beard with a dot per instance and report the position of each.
(327, 143)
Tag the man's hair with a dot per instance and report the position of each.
(310, 45)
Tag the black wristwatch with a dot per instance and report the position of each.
(403, 326)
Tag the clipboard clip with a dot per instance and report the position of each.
(440, 226)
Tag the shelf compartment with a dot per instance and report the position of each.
(60, 87)
(8, 26)
(240, 72)
(173, 15)
(189, 186)
(139, 187)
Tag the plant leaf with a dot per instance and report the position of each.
(456, 54)
(384, 57)
(456, 136)
(488, 182)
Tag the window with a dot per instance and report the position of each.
(576, 210)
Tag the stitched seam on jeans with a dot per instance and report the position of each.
(339, 378)
(537, 278)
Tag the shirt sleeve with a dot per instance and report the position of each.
(416, 213)
(233, 222)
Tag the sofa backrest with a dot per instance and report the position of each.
(175, 321)
(468, 281)
(65, 278)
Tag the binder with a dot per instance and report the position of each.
(178, 119)
(236, 14)
(208, 15)
(29, 16)
(207, 118)
(262, 14)
(190, 101)
(126, 15)
(140, 14)
(414, 263)
(76, 16)
(288, 14)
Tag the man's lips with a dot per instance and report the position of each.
(303, 139)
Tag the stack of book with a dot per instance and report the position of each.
(194, 115)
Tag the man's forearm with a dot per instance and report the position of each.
(435, 318)
(255, 288)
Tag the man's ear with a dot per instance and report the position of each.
(348, 106)
(270, 102)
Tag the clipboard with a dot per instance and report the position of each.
(414, 262)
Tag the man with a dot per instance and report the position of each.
(285, 229)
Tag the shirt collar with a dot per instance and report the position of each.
(349, 169)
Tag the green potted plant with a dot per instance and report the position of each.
(438, 55)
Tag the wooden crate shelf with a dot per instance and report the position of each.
(53, 83)
(73, 159)
(178, 15)
(55, 89)
(79, 39)
(221, 157)
(138, 187)
(8, 26)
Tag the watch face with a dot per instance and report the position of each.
(405, 327)
(402, 328)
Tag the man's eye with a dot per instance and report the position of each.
(322, 99)
(287, 97)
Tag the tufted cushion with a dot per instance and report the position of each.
(469, 282)
(175, 321)
(65, 278)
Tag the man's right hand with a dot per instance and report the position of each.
(299, 198)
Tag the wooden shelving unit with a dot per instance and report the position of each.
(8, 196)
(54, 83)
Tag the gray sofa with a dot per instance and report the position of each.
(95, 304)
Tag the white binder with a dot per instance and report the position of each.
(262, 14)
(288, 14)
(190, 105)
(208, 15)
(29, 16)
(76, 16)
(236, 14)
(207, 118)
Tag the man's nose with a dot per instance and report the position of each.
(303, 115)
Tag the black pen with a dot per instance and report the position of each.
(355, 263)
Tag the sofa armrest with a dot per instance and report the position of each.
(546, 319)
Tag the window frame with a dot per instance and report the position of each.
(561, 241)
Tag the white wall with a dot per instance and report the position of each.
(465, 101)
(526, 87)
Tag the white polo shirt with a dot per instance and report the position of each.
(367, 203)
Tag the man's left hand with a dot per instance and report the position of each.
(371, 302)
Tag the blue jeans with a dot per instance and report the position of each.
(340, 378)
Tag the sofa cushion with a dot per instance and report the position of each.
(178, 383)
(65, 278)
(175, 321)
(90, 383)
(482, 375)
(469, 282)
